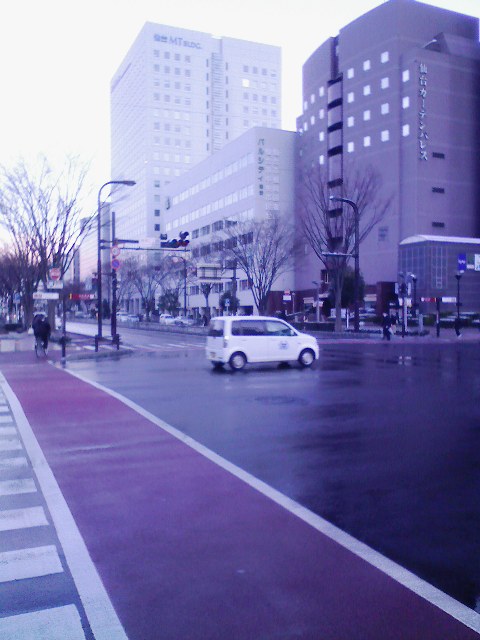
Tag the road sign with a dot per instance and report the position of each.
(55, 284)
(428, 299)
(449, 299)
(54, 273)
(462, 262)
(115, 251)
(115, 264)
(45, 295)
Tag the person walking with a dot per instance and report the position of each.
(41, 329)
(386, 326)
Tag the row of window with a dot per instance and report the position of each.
(167, 56)
(219, 175)
(256, 71)
(216, 205)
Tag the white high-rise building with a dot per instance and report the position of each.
(178, 97)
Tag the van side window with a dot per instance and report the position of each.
(278, 329)
(216, 330)
(248, 328)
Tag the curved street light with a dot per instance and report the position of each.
(126, 183)
(356, 255)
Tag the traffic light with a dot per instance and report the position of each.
(183, 242)
(174, 243)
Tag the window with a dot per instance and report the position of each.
(366, 65)
(367, 90)
(367, 114)
(321, 92)
(248, 328)
(312, 120)
(321, 136)
(438, 190)
(245, 83)
(438, 225)
(385, 135)
(405, 102)
(382, 234)
(350, 121)
(351, 96)
(367, 141)
(157, 213)
(385, 108)
(350, 147)
(321, 114)
(351, 72)
(384, 57)
(405, 130)
(312, 98)
(441, 156)
(321, 160)
(274, 328)
(405, 75)
(385, 83)
(157, 227)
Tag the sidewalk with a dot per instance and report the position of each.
(188, 545)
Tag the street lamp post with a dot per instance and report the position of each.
(317, 284)
(458, 276)
(414, 306)
(356, 255)
(126, 183)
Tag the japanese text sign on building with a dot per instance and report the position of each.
(261, 164)
(422, 113)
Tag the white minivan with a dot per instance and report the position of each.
(241, 339)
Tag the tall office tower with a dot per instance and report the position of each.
(398, 90)
(178, 97)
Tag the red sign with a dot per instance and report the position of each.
(115, 264)
(82, 296)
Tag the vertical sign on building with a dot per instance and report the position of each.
(261, 165)
(422, 113)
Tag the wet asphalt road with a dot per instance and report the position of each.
(382, 439)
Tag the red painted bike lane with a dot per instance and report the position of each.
(187, 549)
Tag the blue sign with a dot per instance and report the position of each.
(462, 262)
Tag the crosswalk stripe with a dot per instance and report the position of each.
(7, 431)
(6, 418)
(10, 444)
(61, 623)
(13, 463)
(29, 563)
(11, 519)
(13, 487)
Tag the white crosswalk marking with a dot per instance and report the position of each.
(61, 623)
(7, 431)
(29, 563)
(13, 463)
(6, 418)
(11, 519)
(13, 487)
(10, 444)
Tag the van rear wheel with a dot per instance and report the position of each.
(237, 361)
(306, 358)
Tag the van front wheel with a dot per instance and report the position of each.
(237, 361)
(306, 358)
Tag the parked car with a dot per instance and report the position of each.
(238, 340)
(122, 316)
(165, 318)
(132, 317)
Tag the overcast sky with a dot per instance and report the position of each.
(58, 57)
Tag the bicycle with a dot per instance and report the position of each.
(40, 348)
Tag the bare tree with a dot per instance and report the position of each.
(41, 212)
(330, 229)
(264, 250)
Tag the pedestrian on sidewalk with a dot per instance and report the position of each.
(386, 327)
(41, 329)
(457, 325)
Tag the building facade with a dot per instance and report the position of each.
(250, 179)
(178, 97)
(397, 91)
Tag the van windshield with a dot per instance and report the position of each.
(216, 329)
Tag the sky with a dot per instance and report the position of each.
(58, 57)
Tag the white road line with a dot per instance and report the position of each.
(61, 623)
(10, 443)
(13, 487)
(11, 519)
(6, 419)
(398, 573)
(7, 431)
(13, 463)
(29, 563)
(100, 613)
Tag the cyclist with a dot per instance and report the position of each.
(41, 329)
